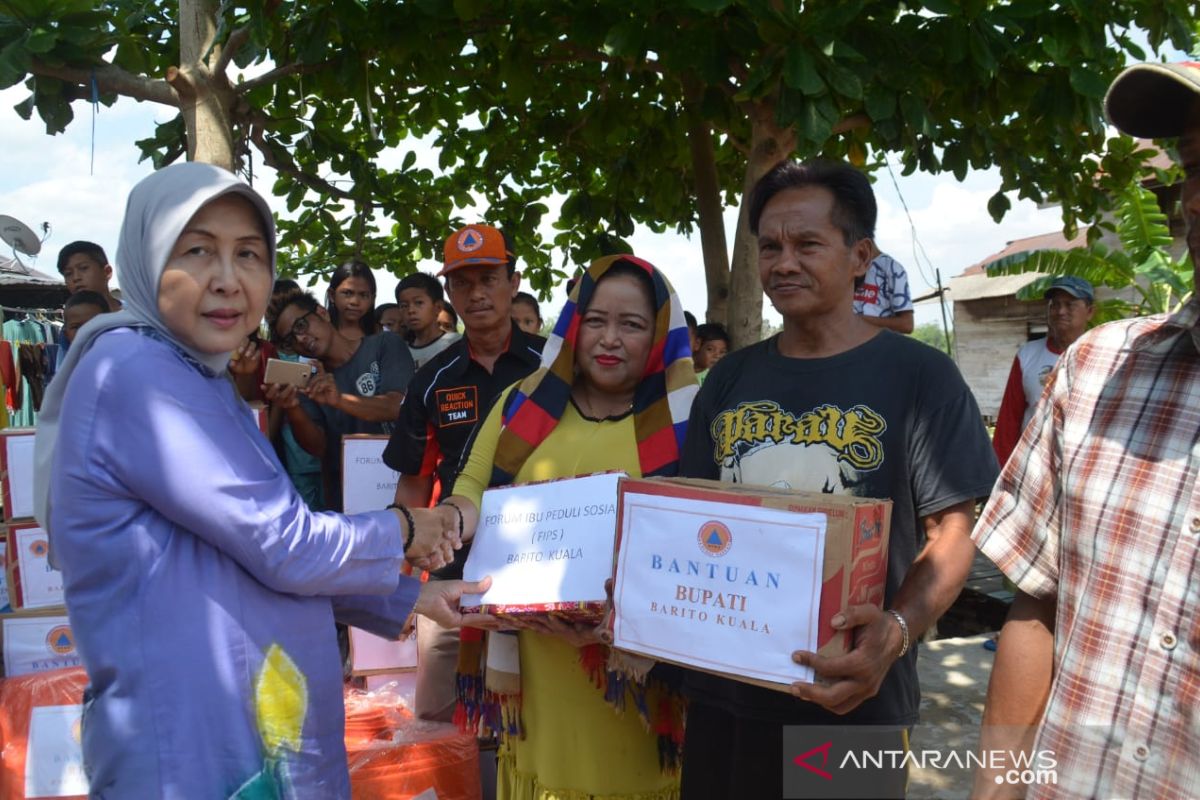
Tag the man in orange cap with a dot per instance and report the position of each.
(447, 398)
(1096, 518)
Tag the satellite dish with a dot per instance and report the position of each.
(19, 236)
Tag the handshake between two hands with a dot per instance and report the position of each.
(436, 536)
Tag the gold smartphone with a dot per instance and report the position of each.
(290, 373)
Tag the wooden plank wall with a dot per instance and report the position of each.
(987, 335)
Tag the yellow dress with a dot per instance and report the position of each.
(576, 745)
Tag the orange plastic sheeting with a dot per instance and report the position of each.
(18, 696)
(394, 756)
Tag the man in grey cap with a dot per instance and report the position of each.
(1096, 519)
(1070, 306)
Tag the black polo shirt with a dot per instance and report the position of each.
(447, 400)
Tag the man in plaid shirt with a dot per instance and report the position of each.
(1096, 517)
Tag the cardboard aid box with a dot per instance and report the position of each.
(5, 603)
(548, 547)
(732, 579)
(54, 754)
(38, 641)
(32, 582)
(16, 472)
(368, 484)
(374, 655)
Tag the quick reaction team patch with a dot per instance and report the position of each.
(457, 406)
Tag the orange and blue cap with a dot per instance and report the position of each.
(472, 245)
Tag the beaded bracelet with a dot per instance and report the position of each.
(460, 516)
(903, 631)
(412, 525)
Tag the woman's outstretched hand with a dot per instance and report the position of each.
(439, 601)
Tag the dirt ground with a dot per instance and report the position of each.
(954, 677)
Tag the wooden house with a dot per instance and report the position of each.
(991, 324)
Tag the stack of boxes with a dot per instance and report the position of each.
(41, 709)
(35, 631)
(369, 485)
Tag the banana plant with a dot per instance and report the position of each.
(1158, 281)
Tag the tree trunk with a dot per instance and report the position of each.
(206, 98)
(712, 223)
(770, 144)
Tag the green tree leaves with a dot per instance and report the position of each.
(587, 98)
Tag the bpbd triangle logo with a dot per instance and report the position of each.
(470, 240)
(61, 640)
(714, 538)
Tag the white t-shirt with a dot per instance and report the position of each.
(884, 291)
(1036, 360)
(421, 355)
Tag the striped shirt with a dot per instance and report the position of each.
(1099, 508)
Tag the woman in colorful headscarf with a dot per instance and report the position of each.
(201, 590)
(613, 393)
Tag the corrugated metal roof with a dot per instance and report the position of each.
(1054, 240)
(979, 286)
(15, 273)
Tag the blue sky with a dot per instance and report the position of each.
(48, 179)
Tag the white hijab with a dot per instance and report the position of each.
(157, 211)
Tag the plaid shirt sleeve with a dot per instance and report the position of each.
(1020, 529)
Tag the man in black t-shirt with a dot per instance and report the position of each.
(833, 404)
(446, 401)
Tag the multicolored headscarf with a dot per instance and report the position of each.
(661, 402)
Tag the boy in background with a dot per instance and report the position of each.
(84, 267)
(421, 300)
(712, 344)
(79, 308)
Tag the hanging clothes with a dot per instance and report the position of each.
(8, 374)
(33, 372)
(50, 360)
(25, 332)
